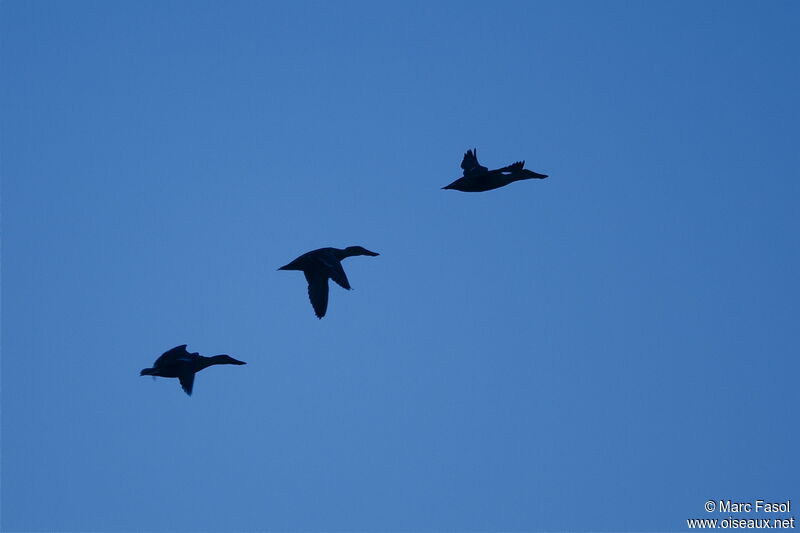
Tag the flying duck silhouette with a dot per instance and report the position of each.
(179, 363)
(478, 178)
(321, 265)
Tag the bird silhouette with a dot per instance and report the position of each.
(179, 363)
(321, 265)
(478, 178)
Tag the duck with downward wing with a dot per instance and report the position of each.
(321, 265)
(179, 363)
(478, 178)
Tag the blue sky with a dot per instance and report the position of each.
(603, 350)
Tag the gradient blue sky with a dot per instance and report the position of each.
(606, 349)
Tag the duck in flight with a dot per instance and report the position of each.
(321, 265)
(179, 363)
(478, 178)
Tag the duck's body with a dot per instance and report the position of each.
(179, 363)
(321, 265)
(478, 178)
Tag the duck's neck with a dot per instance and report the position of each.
(341, 254)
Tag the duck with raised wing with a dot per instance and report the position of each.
(478, 178)
(179, 363)
(321, 265)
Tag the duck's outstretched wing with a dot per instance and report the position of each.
(514, 167)
(338, 275)
(470, 163)
(331, 266)
(187, 381)
(318, 292)
(172, 356)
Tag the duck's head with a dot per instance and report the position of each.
(227, 360)
(531, 174)
(359, 250)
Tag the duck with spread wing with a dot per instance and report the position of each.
(321, 265)
(478, 178)
(179, 363)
